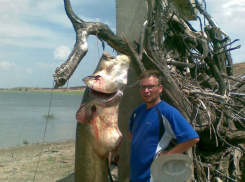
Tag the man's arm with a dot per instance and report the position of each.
(181, 147)
(130, 135)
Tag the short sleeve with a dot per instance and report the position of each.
(180, 126)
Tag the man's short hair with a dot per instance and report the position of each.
(149, 73)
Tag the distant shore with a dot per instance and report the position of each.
(79, 89)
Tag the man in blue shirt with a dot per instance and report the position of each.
(152, 126)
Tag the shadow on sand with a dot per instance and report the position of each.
(69, 178)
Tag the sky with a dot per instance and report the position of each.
(36, 37)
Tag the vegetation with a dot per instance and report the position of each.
(48, 116)
(51, 159)
(25, 142)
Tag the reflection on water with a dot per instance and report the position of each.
(21, 117)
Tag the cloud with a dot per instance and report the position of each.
(7, 66)
(62, 52)
(89, 19)
(45, 24)
(230, 4)
(33, 23)
(48, 66)
(234, 11)
(31, 31)
(228, 14)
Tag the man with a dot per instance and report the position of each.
(152, 126)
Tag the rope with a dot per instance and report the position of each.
(133, 84)
(94, 58)
(97, 46)
(44, 132)
(98, 51)
(67, 86)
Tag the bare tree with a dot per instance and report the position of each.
(197, 71)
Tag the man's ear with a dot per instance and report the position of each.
(160, 88)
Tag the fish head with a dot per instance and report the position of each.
(107, 83)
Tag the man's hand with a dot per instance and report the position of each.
(180, 148)
(163, 153)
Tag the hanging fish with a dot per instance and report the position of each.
(106, 87)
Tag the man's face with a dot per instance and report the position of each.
(150, 89)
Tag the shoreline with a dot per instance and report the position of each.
(56, 164)
(55, 91)
(37, 89)
(19, 163)
(37, 144)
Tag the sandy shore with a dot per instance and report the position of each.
(18, 164)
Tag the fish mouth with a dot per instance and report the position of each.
(105, 98)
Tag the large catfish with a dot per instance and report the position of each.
(99, 117)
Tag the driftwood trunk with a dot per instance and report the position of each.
(198, 79)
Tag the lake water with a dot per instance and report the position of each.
(21, 117)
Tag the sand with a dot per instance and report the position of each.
(56, 163)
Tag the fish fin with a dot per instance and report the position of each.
(81, 115)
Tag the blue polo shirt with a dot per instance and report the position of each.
(145, 132)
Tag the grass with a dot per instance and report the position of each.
(51, 159)
(48, 116)
(25, 142)
(66, 166)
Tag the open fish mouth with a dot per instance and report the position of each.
(102, 94)
(105, 98)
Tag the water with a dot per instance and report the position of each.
(21, 117)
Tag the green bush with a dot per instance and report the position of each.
(48, 116)
(25, 142)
